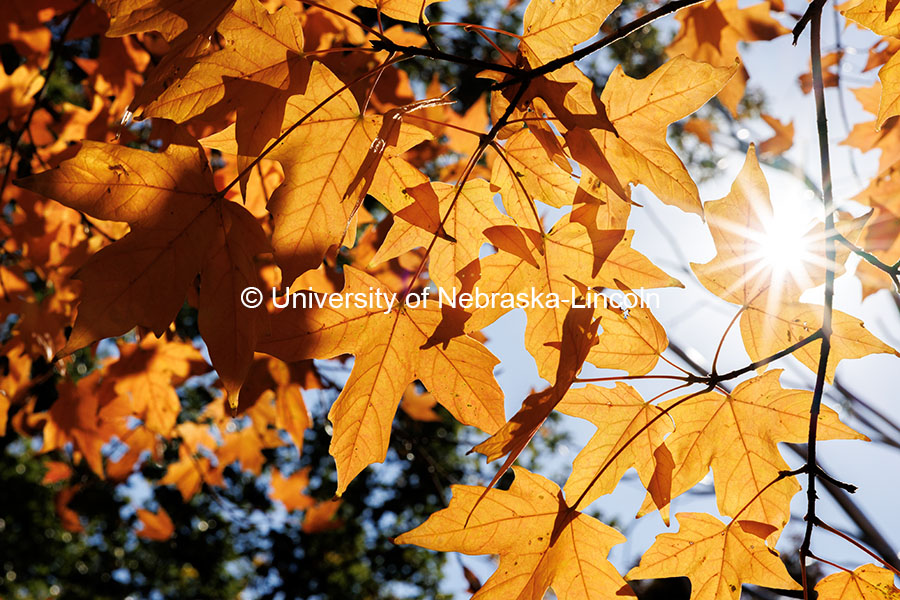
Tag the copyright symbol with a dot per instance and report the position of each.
(251, 297)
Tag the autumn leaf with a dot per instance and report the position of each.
(142, 384)
(291, 413)
(402, 10)
(187, 26)
(710, 32)
(17, 91)
(632, 338)
(157, 526)
(180, 227)
(552, 28)
(830, 72)
(738, 435)
(321, 154)
(524, 174)
(73, 419)
(766, 332)
(781, 141)
(749, 269)
(867, 582)
(229, 328)
(716, 557)
(68, 518)
(388, 345)
(419, 405)
(261, 55)
(542, 543)
(56, 472)
(579, 335)
(869, 135)
(191, 471)
(321, 517)
(702, 128)
(750, 266)
(170, 18)
(619, 414)
(569, 257)
(289, 490)
(168, 199)
(879, 16)
(889, 75)
(466, 214)
(641, 110)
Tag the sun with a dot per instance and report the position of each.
(786, 247)
(783, 247)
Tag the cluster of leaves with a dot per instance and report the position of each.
(281, 145)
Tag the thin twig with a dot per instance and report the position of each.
(893, 271)
(764, 361)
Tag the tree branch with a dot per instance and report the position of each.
(815, 20)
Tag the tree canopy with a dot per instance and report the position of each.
(249, 249)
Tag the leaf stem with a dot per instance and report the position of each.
(841, 534)
(781, 475)
(828, 562)
(725, 335)
(689, 378)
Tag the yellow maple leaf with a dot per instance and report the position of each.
(322, 153)
(619, 415)
(716, 557)
(550, 29)
(738, 435)
(640, 111)
(867, 582)
(542, 543)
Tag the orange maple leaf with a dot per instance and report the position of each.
(542, 542)
(261, 55)
(322, 152)
(157, 526)
(710, 32)
(388, 343)
(180, 227)
(289, 490)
